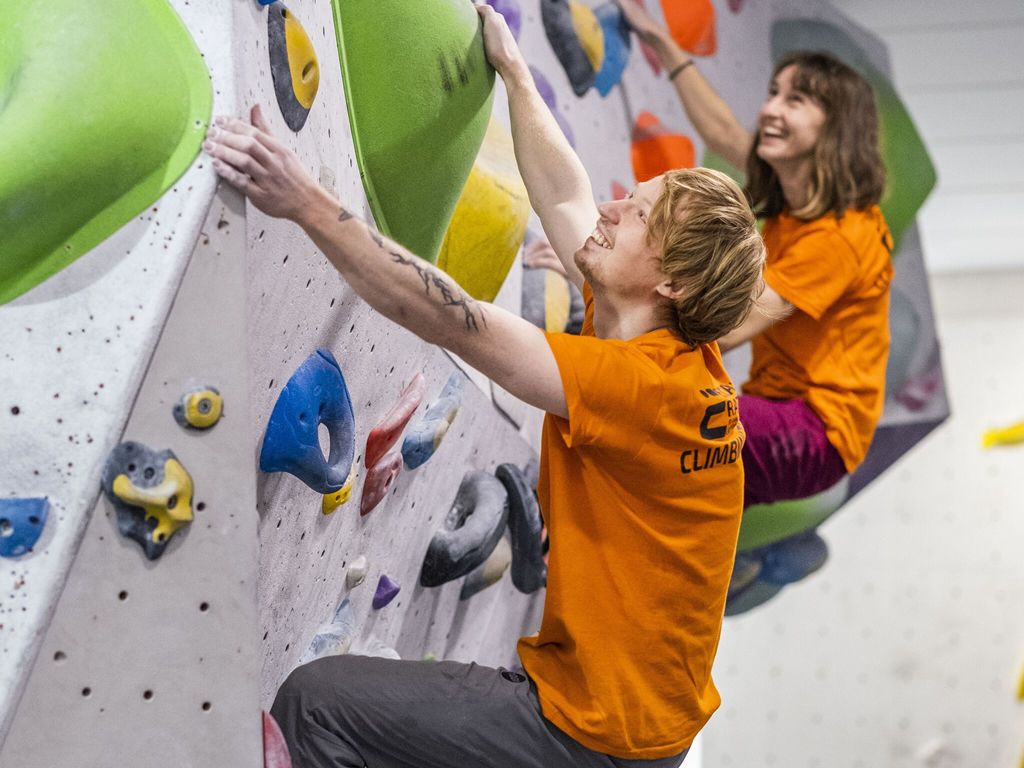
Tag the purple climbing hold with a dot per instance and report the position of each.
(386, 591)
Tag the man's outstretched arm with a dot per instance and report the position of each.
(398, 284)
(559, 188)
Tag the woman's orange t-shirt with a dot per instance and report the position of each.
(642, 492)
(832, 351)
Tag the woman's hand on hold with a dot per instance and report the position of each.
(250, 158)
(641, 21)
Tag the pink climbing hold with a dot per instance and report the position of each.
(619, 192)
(275, 750)
(379, 479)
(386, 433)
(386, 592)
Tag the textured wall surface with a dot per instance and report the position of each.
(75, 351)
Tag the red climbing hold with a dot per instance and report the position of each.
(379, 479)
(386, 433)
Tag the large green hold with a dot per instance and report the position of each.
(103, 105)
(419, 92)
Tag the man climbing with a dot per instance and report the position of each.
(641, 482)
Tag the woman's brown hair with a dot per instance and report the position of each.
(848, 169)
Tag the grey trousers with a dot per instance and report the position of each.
(356, 711)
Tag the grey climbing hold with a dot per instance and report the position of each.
(356, 573)
(151, 492)
(529, 571)
(470, 531)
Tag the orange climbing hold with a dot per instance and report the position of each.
(656, 150)
(691, 23)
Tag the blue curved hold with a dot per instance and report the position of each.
(792, 559)
(616, 47)
(315, 394)
(266, 2)
(425, 437)
(21, 524)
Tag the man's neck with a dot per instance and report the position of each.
(616, 322)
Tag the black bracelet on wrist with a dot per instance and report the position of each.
(675, 72)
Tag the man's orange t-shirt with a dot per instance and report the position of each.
(642, 492)
(832, 351)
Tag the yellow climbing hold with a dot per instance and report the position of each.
(334, 500)
(588, 30)
(301, 61)
(489, 222)
(202, 408)
(557, 301)
(169, 503)
(1012, 435)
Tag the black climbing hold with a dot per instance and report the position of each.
(470, 532)
(529, 571)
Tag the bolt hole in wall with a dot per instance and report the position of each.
(6, 529)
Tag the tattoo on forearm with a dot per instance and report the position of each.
(345, 215)
(375, 236)
(449, 296)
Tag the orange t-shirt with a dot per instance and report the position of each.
(642, 492)
(832, 351)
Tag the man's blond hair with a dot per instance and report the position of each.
(711, 250)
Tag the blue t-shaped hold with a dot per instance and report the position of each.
(21, 524)
(315, 394)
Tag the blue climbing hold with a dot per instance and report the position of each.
(616, 47)
(315, 394)
(424, 438)
(21, 524)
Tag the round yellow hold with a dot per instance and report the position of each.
(489, 222)
(588, 30)
(203, 408)
(302, 61)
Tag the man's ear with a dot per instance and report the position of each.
(666, 290)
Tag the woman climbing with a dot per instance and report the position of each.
(820, 334)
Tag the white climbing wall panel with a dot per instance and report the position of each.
(166, 649)
(75, 352)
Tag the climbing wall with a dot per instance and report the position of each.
(193, 290)
(132, 645)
